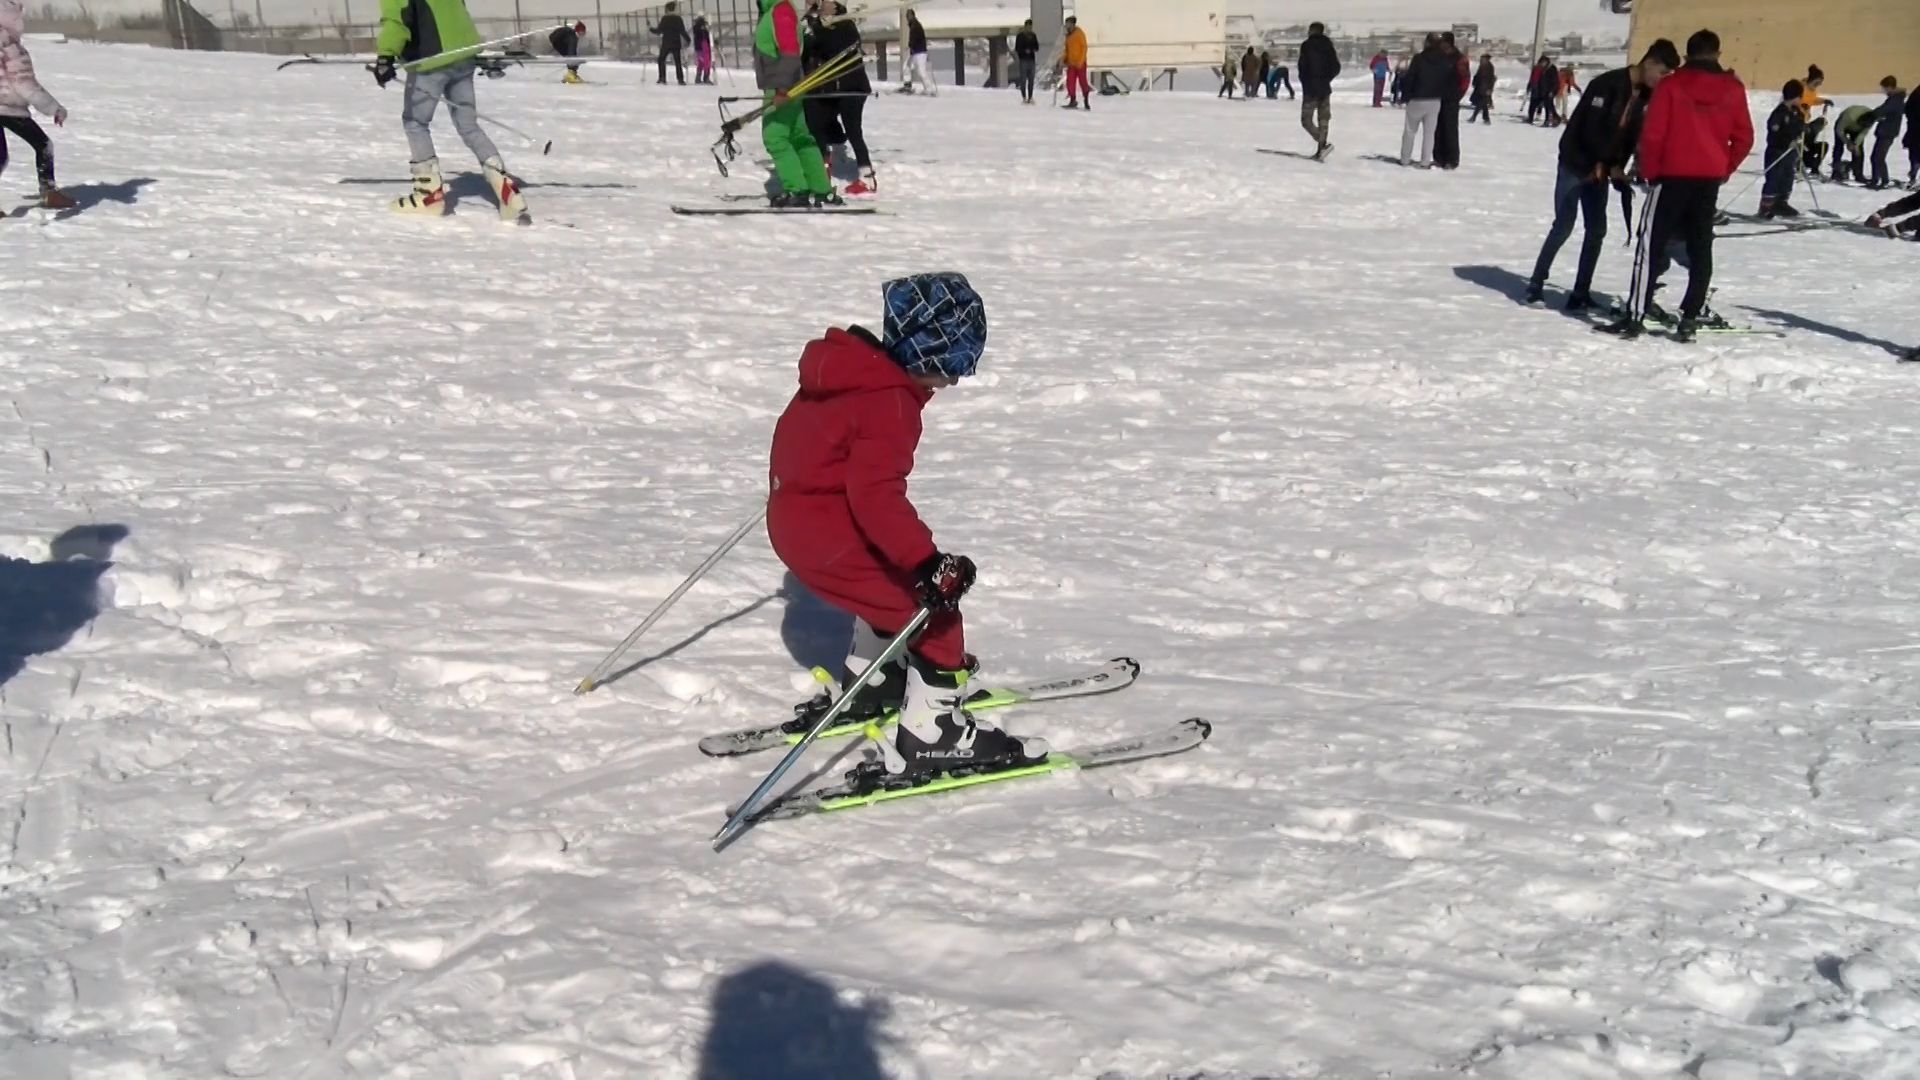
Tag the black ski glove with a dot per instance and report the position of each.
(383, 72)
(941, 580)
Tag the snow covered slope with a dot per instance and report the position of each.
(1562, 690)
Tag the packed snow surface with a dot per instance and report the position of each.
(1562, 689)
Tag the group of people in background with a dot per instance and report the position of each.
(673, 34)
(1257, 74)
(1549, 88)
(1795, 147)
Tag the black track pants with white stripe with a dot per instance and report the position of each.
(1677, 209)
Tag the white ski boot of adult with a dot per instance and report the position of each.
(937, 736)
(505, 188)
(429, 195)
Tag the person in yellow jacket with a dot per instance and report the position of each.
(436, 42)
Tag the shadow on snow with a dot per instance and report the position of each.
(42, 605)
(772, 1021)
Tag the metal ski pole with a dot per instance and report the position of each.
(471, 51)
(892, 652)
(592, 682)
(1794, 149)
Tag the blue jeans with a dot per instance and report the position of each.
(425, 91)
(1575, 195)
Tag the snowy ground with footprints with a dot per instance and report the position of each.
(1561, 690)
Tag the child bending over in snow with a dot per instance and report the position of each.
(838, 516)
(20, 94)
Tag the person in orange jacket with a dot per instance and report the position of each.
(1074, 51)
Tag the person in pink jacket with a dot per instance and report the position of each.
(20, 94)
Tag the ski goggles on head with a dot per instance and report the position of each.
(935, 324)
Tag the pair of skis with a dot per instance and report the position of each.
(1114, 675)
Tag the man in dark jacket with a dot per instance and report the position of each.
(1026, 53)
(1428, 78)
(673, 37)
(1698, 130)
(1319, 66)
(1886, 129)
(1595, 147)
(1913, 138)
(1250, 73)
(1446, 137)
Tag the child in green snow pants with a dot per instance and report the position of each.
(796, 157)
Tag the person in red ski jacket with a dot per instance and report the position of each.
(1698, 130)
(839, 518)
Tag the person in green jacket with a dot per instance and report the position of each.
(436, 41)
(1850, 137)
(776, 68)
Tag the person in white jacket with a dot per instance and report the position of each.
(20, 94)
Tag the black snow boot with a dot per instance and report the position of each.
(1626, 329)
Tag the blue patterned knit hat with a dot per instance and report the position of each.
(936, 323)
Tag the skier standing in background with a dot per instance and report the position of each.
(1250, 74)
(566, 42)
(1886, 130)
(1073, 51)
(441, 33)
(1598, 143)
(1484, 82)
(835, 111)
(1698, 131)
(702, 52)
(919, 68)
(673, 37)
(783, 129)
(1319, 65)
(1026, 54)
(1229, 79)
(1785, 128)
(1567, 85)
(1266, 75)
(839, 518)
(20, 94)
(1381, 68)
(1810, 99)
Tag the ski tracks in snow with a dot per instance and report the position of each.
(1562, 718)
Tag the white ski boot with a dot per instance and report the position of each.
(880, 698)
(513, 205)
(936, 735)
(429, 195)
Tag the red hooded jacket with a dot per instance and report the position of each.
(841, 455)
(1698, 126)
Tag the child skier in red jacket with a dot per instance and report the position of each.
(839, 517)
